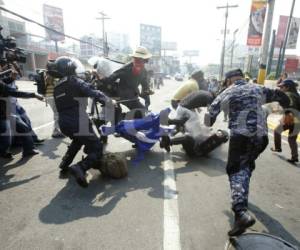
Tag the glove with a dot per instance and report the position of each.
(208, 120)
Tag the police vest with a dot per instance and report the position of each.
(66, 96)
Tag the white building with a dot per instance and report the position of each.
(118, 42)
(92, 48)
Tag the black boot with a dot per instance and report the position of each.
(80, 175)
(165, 143)
(243, 220)
(67, 160)
(29, 153)
(64, 166)
(293, 160)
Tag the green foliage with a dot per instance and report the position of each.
(271, 76)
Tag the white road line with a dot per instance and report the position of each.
(43, 126)
(171, 214)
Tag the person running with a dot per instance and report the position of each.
(290, 121)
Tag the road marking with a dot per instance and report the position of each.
(43, 126)
(171, 214)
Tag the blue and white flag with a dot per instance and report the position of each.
(144, 132)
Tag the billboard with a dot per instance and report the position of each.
(169, 46)
(293, 35)
(256, 24)
(190, 53)
(53, 18)
(150, 37)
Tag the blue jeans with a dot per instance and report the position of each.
(23, 132)
(23, 115)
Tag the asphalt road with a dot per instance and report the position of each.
(168, 201)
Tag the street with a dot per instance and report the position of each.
(168, 201)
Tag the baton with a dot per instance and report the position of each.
(127, 100)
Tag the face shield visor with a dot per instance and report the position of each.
(80, 69)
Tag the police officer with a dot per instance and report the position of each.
(248, 137)
(70, 95)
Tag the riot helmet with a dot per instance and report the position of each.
(65, 66)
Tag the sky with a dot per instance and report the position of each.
(193, 24)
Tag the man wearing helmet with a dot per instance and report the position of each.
(130, 77)
(70, 95)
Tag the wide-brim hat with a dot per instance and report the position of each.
(141, 52)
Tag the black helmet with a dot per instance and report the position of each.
(64, 66)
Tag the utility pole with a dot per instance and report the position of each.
(286, 37)
(232, 48)
(266, 42)
(279, 61)
(270, 60)
(104, 38)
(224, 39)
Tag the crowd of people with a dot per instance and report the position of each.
(66, 93)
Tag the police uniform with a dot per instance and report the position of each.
(248, 133)
(70, 95)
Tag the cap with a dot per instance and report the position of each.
(233, 73)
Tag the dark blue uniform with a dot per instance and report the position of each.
(70, 96)
(248, 132)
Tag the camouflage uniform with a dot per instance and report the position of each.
(248, 133)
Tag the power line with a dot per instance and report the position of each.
(48, 28)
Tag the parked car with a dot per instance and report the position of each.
(178, 77)
(167, 77)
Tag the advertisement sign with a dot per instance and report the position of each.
(256, 24)
(282, 26)
(190, 53)
(293, 34)
(291, 65)
(150, 37)
(53, 18)
(169, 46)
